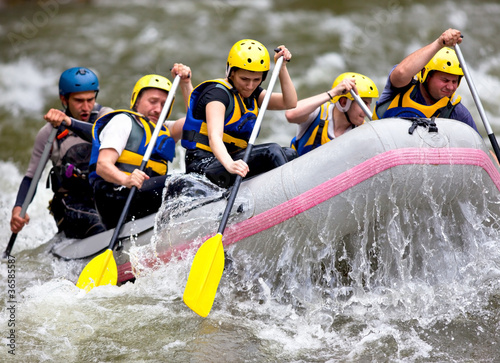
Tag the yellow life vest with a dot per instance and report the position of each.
(316, 134)
(238, 123)
(137, 143)
(403, 106)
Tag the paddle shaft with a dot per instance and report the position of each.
(33, 185)
(145, 159)
(208, 263)
(103, 266)
(248, 150)
(361, 104)
(477, 100)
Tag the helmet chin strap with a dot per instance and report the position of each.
(66, 107)
(345, 109)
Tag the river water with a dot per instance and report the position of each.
(435, 317)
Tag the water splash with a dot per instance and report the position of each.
(422, 259)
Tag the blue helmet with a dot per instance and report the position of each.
(78, 79)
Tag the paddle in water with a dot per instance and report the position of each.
(208, 263)
(102, 270)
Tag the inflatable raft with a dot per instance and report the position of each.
(361, 183)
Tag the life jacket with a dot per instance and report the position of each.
(137, 143)
(72, 154)
(317, 132)
(403, 106)
(238, 124)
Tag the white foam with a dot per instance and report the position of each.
(42, 226)
(25, 86)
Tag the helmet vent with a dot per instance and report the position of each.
(448, 63)
(248, 54)
(78, 79)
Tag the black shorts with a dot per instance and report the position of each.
(75, 215)
(110, 200)
(264, 157)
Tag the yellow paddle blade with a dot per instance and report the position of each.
(204, 277)
(101, 270)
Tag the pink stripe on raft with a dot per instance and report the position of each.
(354, 176)
(339, 184)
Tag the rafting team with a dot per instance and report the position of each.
(97, 151)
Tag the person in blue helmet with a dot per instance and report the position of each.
(72, 205)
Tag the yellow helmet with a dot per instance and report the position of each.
(445, 60)
(366, 87)
(250, 55)
(150, 81)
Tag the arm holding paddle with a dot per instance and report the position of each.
(107, 169)
(81, 128)
(330, 114)
(215, 125)
(28, 188)
(308, 105)
(184, 72)
(19, 219)
(246, 82)
(288, 98)
(102, 269)
(426, 81)
(150, 106)
(416, 61)
(78, 88)
(57, 117)
(208, 264)
(39, 157)
(222, 115)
